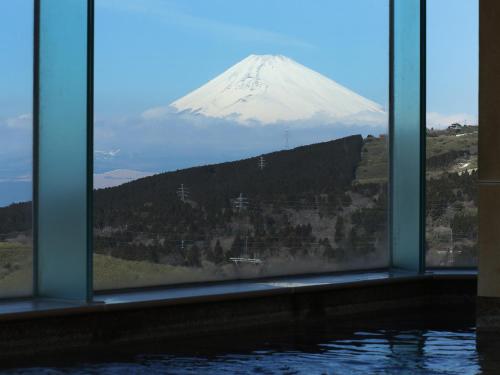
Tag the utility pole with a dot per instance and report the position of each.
(287, 136)
(261, 163)
(182, 193)
(451, 235)
(452, 254)
(245, 251)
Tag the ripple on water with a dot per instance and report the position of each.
(429, 352)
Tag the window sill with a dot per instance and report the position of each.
(229, 290)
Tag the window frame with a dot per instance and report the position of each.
(405, 258)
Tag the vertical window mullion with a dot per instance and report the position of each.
(407, 134)
(63, 136)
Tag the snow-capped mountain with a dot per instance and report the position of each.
(274, 88)
(117, 177)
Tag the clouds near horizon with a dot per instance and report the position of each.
(441, 121)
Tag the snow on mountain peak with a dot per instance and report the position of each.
(275, 88)
(117, 177)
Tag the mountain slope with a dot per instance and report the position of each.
(287, 210)
(304, 171)
(315, 169)
(275, 88)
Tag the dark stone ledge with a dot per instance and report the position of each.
(488, 314)
(106, 325)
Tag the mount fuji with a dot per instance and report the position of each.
(262, 104)
(270, 89)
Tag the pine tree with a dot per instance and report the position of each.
(209, 255)
(236, 247)
(346, 200)
(329, 250)
(339, 229)
(193, 256)
(218, 253)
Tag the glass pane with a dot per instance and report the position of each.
(406, 136)
(16, 88)
(452, 135)
(235, 142)
(62, 183)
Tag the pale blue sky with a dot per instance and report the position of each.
(150, 52)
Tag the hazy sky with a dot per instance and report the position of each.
(150, 52)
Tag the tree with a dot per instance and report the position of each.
(218, 253)
(209, 255)
(339, 229)
(236, 247)
(329, 251)
(193, 258)
(346, 200)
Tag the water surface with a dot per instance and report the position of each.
(314, 349)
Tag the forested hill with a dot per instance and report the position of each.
(293, 175)
(304, 171)
(150, 220)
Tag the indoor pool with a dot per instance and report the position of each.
(317, 349)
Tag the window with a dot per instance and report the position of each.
(452, 134)
(234, 144)
(16, 66)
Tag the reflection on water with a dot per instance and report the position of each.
(309, 350)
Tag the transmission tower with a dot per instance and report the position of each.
(240, 203)
(261, 163)
(287, 138)
(183, 193)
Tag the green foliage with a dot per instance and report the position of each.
(339, 229)
(465, 225)
(218, 253)
(16, 218)
(193, 258)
